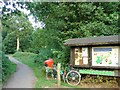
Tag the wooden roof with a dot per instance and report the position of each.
(101, 40)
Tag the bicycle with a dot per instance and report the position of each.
(72, 77)
(51, 73)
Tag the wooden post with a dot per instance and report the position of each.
(58, 74)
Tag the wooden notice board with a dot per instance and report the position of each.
(81, 56)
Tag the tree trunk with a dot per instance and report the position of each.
(18, 44)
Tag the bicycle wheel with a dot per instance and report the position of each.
(73, 78)
(51, 74)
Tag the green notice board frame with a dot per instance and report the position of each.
(97, 72)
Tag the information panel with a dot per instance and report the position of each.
(81, 56)
(105, 56)
(85, 55)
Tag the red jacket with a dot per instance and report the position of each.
(49, 62)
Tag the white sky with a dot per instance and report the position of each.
(25, 11)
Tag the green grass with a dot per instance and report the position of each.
(28, 59)
(12, 69)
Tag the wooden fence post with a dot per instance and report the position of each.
(58, 74)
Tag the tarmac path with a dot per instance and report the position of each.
(22, 78)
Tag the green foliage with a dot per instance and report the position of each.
(43, 38)
(9, 44)
(71, 20)
(43, 55)
(58, 56)
(7, 67)
(78, 19)
(15, 24)
(47, 45)
(62, 57)
(62, 21)
(13, 27)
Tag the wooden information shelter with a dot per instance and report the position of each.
(96, 55)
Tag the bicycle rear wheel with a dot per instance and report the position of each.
(51, 74)
(73, 78)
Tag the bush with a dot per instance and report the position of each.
(7, 67)
(9, 44)
(57, 55)
(43, 55)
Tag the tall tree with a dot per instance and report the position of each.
(65, 20)
(81, 19)
(17, 23)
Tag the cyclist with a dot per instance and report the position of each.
(49, 65)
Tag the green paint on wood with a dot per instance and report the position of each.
(97, 72)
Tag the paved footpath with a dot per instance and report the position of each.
(22, 78)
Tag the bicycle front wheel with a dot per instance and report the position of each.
(73, 78)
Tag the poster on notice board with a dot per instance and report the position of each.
(105, 56)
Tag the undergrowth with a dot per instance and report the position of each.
(8, 68)
(99, 80)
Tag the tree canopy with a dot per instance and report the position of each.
(81, 19)
(15, 24)
(62, 20)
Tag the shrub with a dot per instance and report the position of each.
(7, 67)
(61, 56)
(9, 44)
